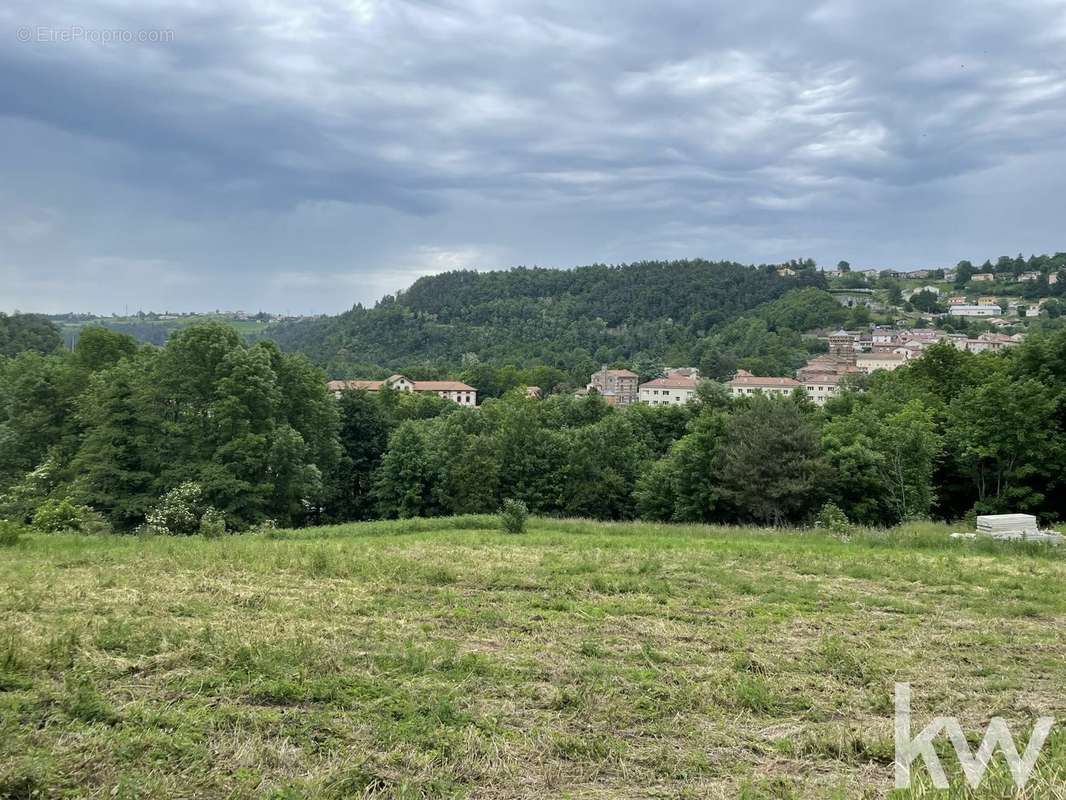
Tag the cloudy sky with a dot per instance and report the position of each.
(305, 155)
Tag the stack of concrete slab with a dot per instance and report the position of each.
(1006, 523)
(1015, 527)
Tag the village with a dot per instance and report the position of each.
(849, 353)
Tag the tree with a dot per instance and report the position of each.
(403, 484)
(843, 266)
(1000, 431)
(684, 486)
(770, 463)
(28, 333)
(601, 470)
(363, 438)
(909, 445)
(99, 348)
(964, 271)
(114, 464)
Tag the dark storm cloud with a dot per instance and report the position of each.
(310, 155)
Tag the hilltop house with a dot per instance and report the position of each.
(455, 391)
(619, 387)
(983, 276)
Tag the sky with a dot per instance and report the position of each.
(307, 155)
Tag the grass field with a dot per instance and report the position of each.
(440, 658)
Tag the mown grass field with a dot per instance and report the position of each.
(441, 658)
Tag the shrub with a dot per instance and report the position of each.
(212, 523)
(178, 512)
(10, 532)
(513, 516)
(833, 520)
(55, 516)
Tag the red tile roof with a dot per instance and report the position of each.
(745, 378)
(339, 386)
(442, 386)
(671, 382)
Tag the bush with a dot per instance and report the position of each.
(56, 516)
(212, 523)
(833, 520)
(10, 532)
(178, 512)
(513, 516)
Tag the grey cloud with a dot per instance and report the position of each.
(312, 153)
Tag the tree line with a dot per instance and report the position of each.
(210, 432)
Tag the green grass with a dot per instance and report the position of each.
(441, 658)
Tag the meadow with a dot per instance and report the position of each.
(444, 658)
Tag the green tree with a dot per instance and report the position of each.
(99, 348)
(1000, 432)
(114, 465)
(770, 462)
(403, 483)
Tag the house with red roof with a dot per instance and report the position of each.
(456, 391)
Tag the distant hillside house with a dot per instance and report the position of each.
(674, 389)
(973, 311)
(1029, 276)
(744, 384)
(821, 387)
(619, 387)
(455, 391)
(984, 276)
(871, 362)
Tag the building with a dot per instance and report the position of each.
(987, 300)
(883, 336)
(619, 387)
(1029, 276)
(673, 389)
(983, 276)
(820, 387)
(744, 384)
(455, 391)
(957, 300)
(871, 362)
(534, 392)
(991, 342)
(973, 311)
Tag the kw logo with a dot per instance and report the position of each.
(973, 764)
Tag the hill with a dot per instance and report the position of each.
(571, 319)
(442, 658)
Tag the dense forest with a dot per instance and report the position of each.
(571, 320)
(211, 433)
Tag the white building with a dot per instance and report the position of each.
(674, 389)
(974, 311)
(744, 384)
(871, 362)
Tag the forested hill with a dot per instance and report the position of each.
(571, 319)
